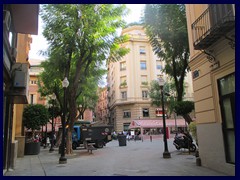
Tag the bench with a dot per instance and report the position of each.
(90, 148)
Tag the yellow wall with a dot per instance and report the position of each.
(23, 47)
(206, 96)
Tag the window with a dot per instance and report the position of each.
(159, 65)
(125, 126)
(123, 81)
(144, 94)
(142, 50)
(145, 112)
(124, 95)
(33, 82)
(10, 38)
(144, 80)
(159, 112)
(32, 98)
(122, 66)
(126, 114)
(226, 87)
(143, 65)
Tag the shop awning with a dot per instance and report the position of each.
(158, 123)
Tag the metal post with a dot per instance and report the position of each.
(45, 145)
(52, 135)
(166, 154)
(175, 121)
(63, 159)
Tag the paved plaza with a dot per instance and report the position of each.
(136, 159)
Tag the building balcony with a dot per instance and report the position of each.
(216, 21)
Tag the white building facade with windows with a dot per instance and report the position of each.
(129, 81)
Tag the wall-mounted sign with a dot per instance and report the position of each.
(195, 74)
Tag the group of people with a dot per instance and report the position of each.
(128, 134)
(44, 141)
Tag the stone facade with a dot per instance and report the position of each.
(211, 30)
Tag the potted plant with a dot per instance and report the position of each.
(34, 116)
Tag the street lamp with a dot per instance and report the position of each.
(166, 154)
(53, 131)
(63, 159)
(80, 112)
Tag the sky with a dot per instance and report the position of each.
(39, 42)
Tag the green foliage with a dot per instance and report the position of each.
(133, 24)
(81, 37)
(184, 107)
(193, 129)
(167, 30)
(155, 93)
(144, 83)
(35, 116)
(123, 84)
(54, 112)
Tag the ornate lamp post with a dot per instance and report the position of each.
(80, 111)
(166, 154)
(53, 131)
(63, 159)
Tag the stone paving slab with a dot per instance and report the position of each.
(135, 159)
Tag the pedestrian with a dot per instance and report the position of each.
(48, 141)
(54, 139)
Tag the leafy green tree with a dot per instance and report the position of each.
(35, 116)
(155, 95)
(166, 27)
(88, 97)
(81, 37)
(183, 108)
(193, 129)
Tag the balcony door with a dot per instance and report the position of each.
(226, 86)
(219, 13)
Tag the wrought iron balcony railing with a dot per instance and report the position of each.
(214, 22)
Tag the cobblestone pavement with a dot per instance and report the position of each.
(135, 159)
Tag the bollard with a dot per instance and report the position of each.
(151, 138)
(198, 161)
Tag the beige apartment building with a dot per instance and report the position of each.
(211, 30)
(129, 81)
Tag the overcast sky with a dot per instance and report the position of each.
(39, 42)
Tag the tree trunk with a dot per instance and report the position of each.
(187, 118)
(72, 119)
(69, 142)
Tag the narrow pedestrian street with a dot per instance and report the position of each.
(137, 158)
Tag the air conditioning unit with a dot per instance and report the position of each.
(20, 73)
(6, 19)
(20, 83)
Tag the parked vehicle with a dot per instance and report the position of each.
(184, 140)
(99, 136)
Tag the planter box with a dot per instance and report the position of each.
(32, 148)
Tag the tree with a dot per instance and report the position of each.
(155, 95)
(183, 108)
(35, 116)
(81, 37)
(167, 30)
(193, 129)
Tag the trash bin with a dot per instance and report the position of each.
(122, 140)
